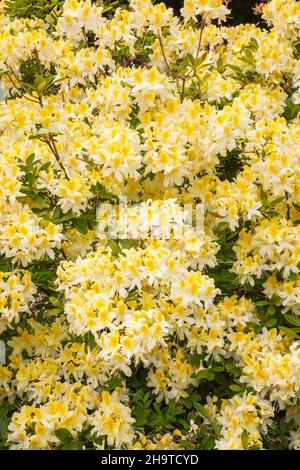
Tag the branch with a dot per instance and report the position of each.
(52, 145)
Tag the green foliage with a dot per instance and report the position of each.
(230, 166)
(35, 77)
(32, 8)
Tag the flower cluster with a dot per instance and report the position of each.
(173, 321)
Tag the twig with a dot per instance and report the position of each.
(52, 145)
(165, 57)
(199, 46)
(21, 86)
(200, 39)
(182, 90)
(184, 78)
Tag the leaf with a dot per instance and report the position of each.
(55, 300)
(292, 320)
(4, 421)
(190, 58)
(218, 368)
(272, 213)
(201, 59)
(65, 218)
(297, 207)
(81, 225)
(45, 166)
(270, 323)
(271, 310)
(221, 380)
(209, 443)
(289, 332)
(248, 53)
(53, 312)
(253, 43)
(276, 201)
(74, 445)
(245, 438)
(116, 250)
(30, 159)
(201, 410)
(235, 68)
(235, 388)
(261, 303)
(43, 84)
(38, 200)
(206, 374)
(64, 435)
(56, 214)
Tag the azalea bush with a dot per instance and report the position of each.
(186, 339)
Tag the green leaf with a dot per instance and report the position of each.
(55, 300)
(271, 310)
(253, 43)
(235, 388)
(261, 303)
(41, 85)
(209, 443)
(270, 323)
(53, 312)
(45, 166)
(64, 435)
(190, 59)
(297, 207)
(65, 218)
(245, 438)
(221, 380)
(276, 201)
(235, 68)
(30, 159)
(206, 374)
(272, 213)
(56, 214)
(201, 410)
(292, 320)
(4, 421)
(218, 368)
(116, 250)
(74, 445)
(81, 225)
(289, 332)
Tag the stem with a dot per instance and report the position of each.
(184, 78)
(52, 145)
(93, 85)
(182, 90)
(17, 79)
(288, 209)
(14, 85)
(85, 36)
(31, 99)
(40, 98)
(164, 56)
(199, 46)
(200, 39)
(21, 86)
(174, 75)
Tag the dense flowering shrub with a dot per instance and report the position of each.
(153, 342)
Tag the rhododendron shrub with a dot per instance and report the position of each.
(177, 339)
